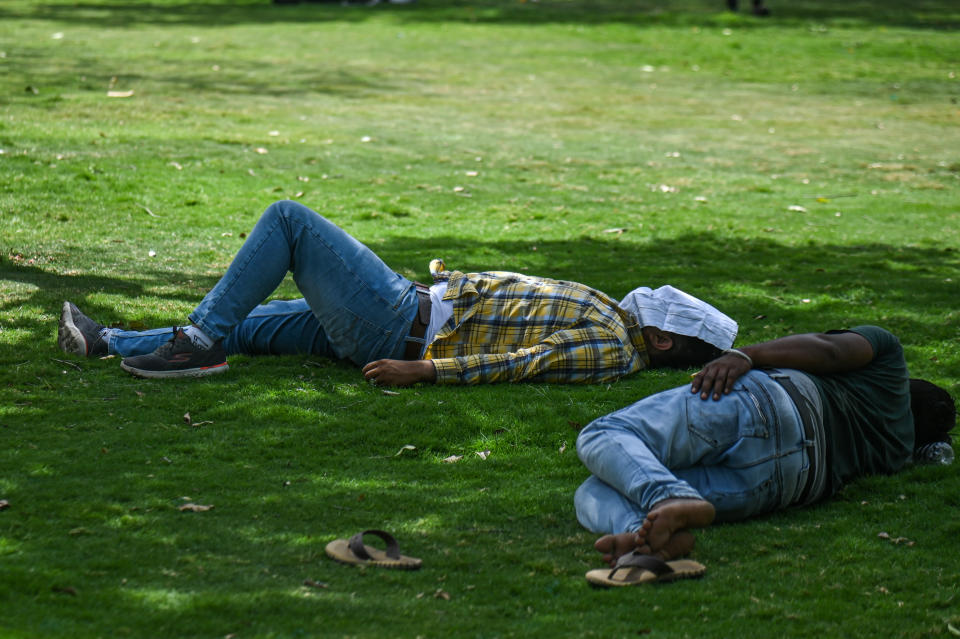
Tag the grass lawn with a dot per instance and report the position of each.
(801, 172)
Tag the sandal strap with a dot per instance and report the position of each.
(356, 544)
(646, 562)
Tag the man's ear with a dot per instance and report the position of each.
(657, 339)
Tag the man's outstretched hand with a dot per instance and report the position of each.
(398, 372)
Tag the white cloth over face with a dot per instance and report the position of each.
(674, 311)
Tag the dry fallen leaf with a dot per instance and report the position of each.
(483, 454)
(451, 459)
(195, 508)
(4, 504)
(563, 447)
(895, 540)
(389, 392)
(314, 584)
(261, 150)
(404, 449)
(186, 419)
(441, 594)
(120, 94)
(796, 208)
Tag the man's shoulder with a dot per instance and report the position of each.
(881, 339)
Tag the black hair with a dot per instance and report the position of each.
(934, 413)
(688, 352)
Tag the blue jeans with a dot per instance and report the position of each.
(745, 454)
(354, 307)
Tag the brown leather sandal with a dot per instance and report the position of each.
(354, 551)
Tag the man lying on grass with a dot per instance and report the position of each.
(466, 328)
(772, 425)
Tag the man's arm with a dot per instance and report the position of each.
(398, 372)
(567, 356)
(816, 353)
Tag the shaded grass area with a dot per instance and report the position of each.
(800, 172)
(923, 14)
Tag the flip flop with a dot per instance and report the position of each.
(635, 569)
(354, 551)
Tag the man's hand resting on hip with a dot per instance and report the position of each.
(398, 372)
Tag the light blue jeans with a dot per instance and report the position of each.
(354, 306)
(745, 454)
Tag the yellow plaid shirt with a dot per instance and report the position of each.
(511, 327)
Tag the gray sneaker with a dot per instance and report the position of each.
(80, 335)
(179, 357)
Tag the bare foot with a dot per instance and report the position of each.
(664, 531)
(679, 545)
(614, 546)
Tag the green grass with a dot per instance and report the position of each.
(691, 129)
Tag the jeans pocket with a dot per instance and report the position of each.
(720, 424)
(358, 339)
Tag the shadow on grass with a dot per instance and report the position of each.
(283, 484)
(922, 14)
(291, 459)
(801, 287)
(238, 79)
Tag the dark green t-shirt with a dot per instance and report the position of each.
(866, 413)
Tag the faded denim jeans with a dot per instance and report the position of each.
(746, 454)
(354, 306)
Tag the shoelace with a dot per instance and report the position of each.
(168, 346)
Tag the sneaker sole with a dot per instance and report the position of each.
(202, 371)
(69, 338)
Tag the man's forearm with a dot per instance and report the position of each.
(817, 353)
